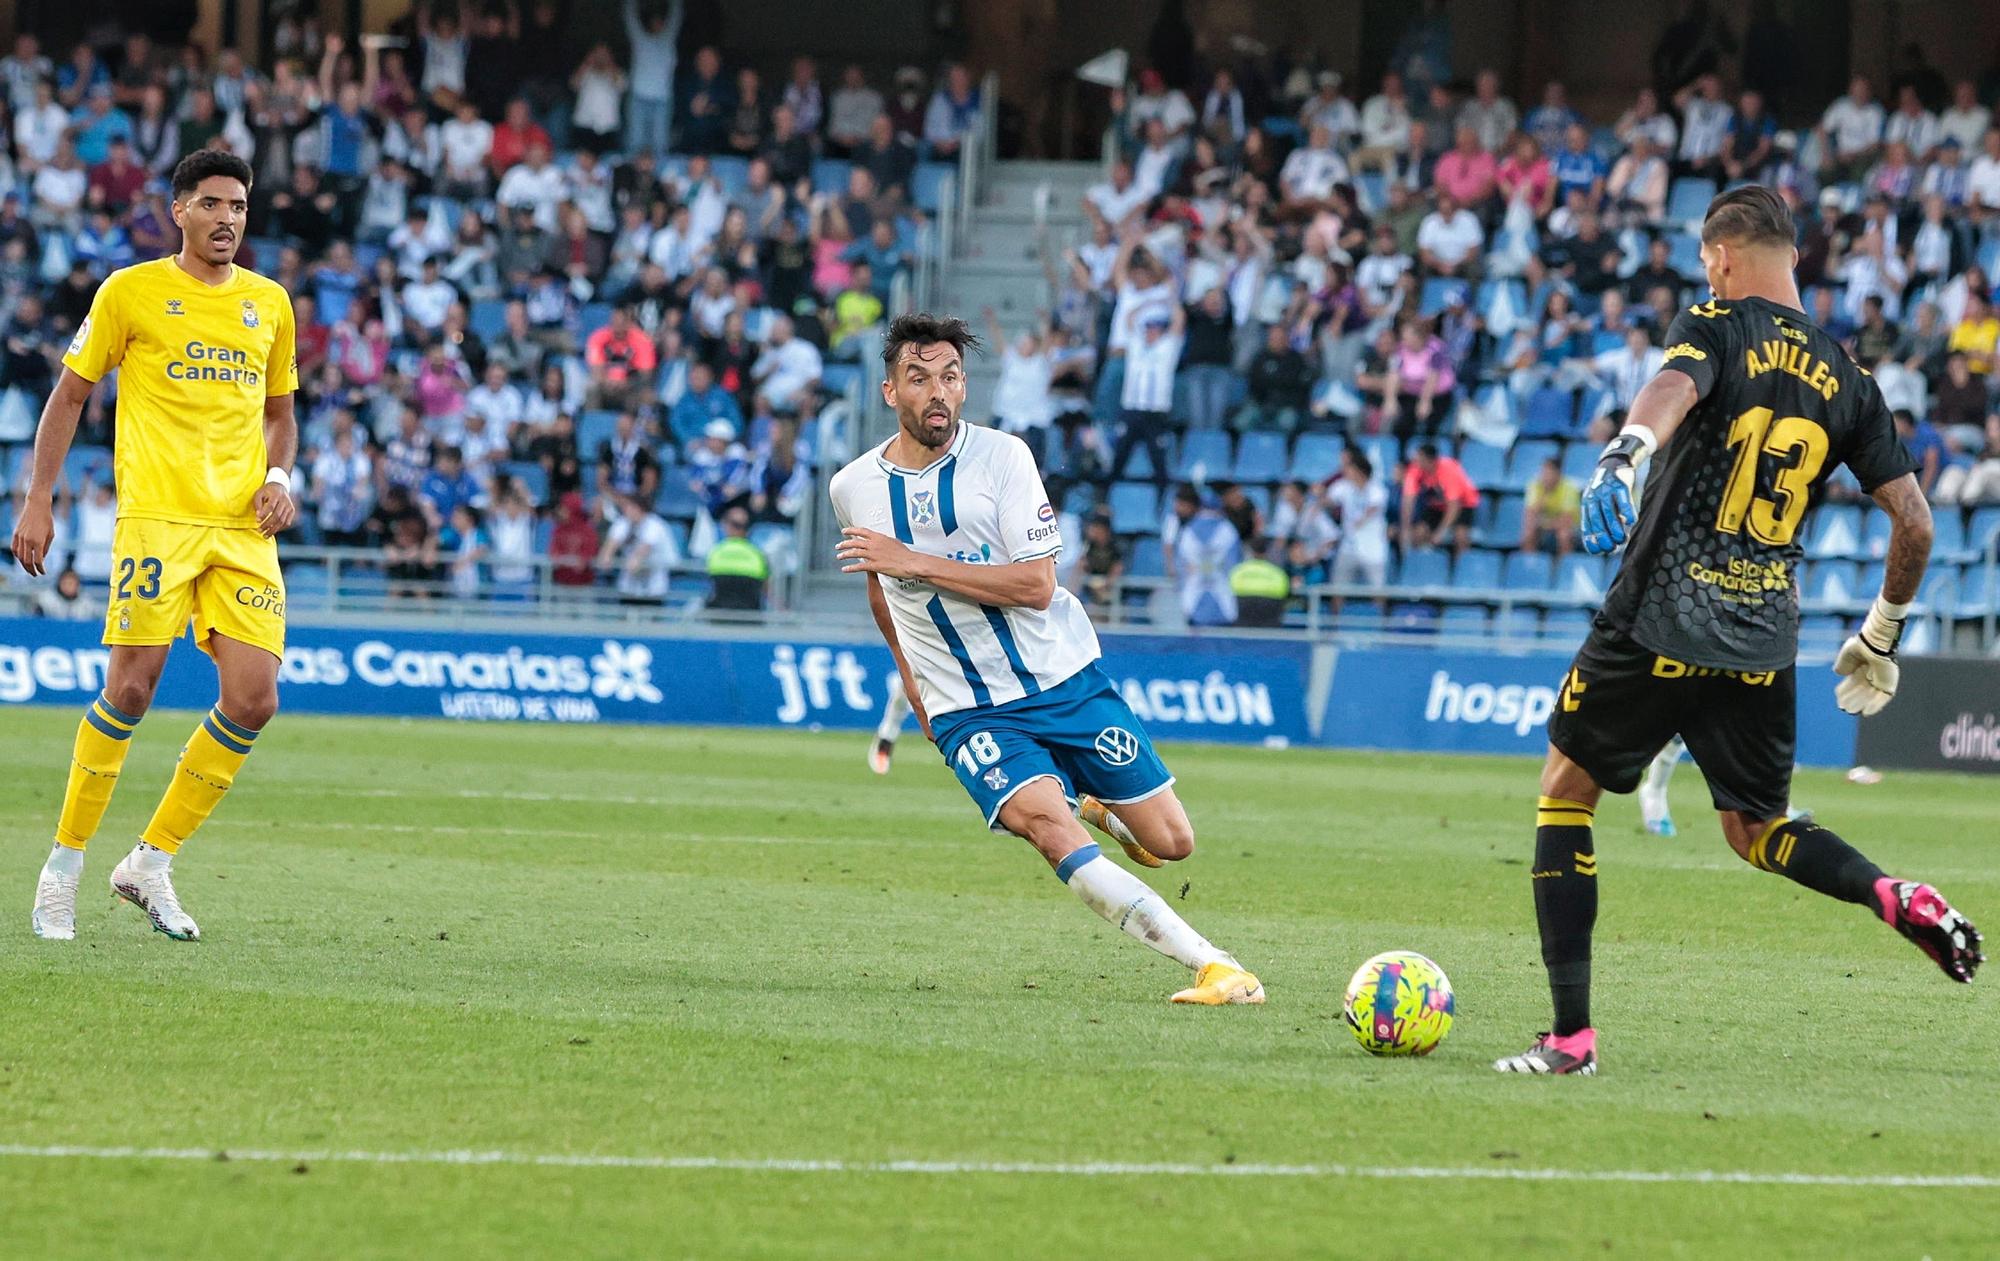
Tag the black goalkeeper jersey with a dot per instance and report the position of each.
(1709, 572)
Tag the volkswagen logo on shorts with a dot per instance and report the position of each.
(1117, 746)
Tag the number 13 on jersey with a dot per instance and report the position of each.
(1801, 443)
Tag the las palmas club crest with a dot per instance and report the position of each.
(249, 313)
(923, 507)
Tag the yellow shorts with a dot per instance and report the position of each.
(226, 578)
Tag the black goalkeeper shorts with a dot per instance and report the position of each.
(1620, 704)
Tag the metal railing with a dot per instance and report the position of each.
(976, 154)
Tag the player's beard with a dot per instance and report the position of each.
(929, 437)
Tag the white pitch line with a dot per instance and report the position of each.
(950, 1168)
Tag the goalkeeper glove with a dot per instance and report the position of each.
(1608, 509)
(1867, 661)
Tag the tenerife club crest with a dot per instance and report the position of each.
(923, 507)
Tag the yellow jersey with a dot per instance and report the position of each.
(196, 364)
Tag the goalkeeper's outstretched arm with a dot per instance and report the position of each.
(1867, 661)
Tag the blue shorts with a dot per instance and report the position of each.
(1080, 733)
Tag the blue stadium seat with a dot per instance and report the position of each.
(1834, 581)
(1526, 460)
(1477, 571)
(1135, 508)
(732, 172)
(1821, 633)
(1410, 618)
(1836, 533)
(1684, 256)
(836, 378)
(1872, 576)
(306, 585)
(1140, 465)
(1485, 464)
(1687, 200)
(594, 428)
(1260, 496)
(1503, 305)
(1940, 586)
(1530, 571)
(1580, 461)
(1570, 624)
(1548, 413)
(488, 318)
(1383, 452)
(1875, 527)
(1980, 531)
(927, 184)
(1204, 455)
(1149, 559)
(1316, 457)
(532, 476)
(1428, 568)
(1606, 339)
(595, 315)
(84, 463)
(1948, 534)
(1978, 591)
(1260, 457)
(1518, 622)
(1504, 529)
(829, 175)
(1463, 619)
(676, 499)
(1438, 292)
(1373, 188)
(1583, 576)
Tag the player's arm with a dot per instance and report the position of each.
(1029, 584)
(36, 529)
(1867, 661)
(275, 508)
(878, 604)
(1695, 348)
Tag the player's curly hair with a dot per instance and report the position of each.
(191, 170)
(921, 328)
(1750, 215)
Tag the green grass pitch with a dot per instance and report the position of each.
(671, 945)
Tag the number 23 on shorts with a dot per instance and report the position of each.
(137, 578)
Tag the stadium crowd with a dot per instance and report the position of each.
(587, 315)
(1384, 342)
(565, 318)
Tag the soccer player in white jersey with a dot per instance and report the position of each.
(955, 532)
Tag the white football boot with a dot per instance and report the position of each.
(153, 893)
(55, 906)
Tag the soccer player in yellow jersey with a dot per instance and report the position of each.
(206, 361)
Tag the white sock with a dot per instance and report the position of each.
(1130, 903)
(1653, 785)
(893, 714)
(64, 861)
(150, 858)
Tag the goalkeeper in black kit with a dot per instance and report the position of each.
(1753, 407)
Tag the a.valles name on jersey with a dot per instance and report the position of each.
(1777, 356)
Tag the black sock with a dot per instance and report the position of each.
(1806, 852)
(1566, 906)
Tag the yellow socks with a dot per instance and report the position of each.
(208, 765)
(102, 740)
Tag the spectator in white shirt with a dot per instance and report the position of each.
(1155, 99)
(1329, 109)
(1967, 119)
(534, 184)
(641, 549)
(59, 188)
(851, 112)
(1022, 404)
(1362, 504)
(499, 402)
(1912, 124)
(40, 128)
(466, 140)
(1850, 133)
(1385, 127)
(1152, 356)
(427, 300)
(1223, 109)
(1157, 162)
(789, 366)
(1118, 198)
(1646, 118)
(1983, 180)
(1705, 119)
(22, 70)
(1449, 239)
(1309, 174)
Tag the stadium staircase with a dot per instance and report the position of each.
(1021, 208)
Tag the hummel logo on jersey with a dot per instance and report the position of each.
(923, 507)
(1117, 746)
(1686, 350)
(249, 313)
(174, 307)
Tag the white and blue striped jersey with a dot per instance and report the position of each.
(982, 502)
